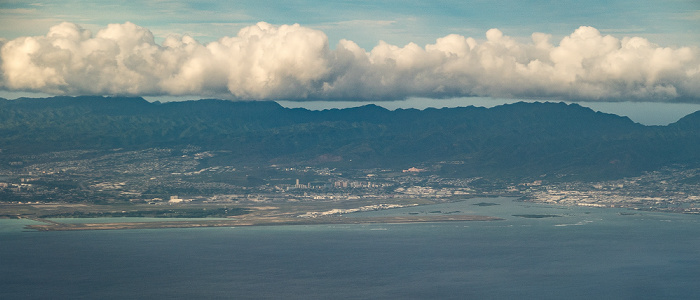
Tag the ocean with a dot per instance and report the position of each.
(537, 252)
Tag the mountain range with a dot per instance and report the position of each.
(524, 140)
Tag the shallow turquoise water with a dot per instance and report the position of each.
(126, 220)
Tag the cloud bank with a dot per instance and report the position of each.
(292, 62)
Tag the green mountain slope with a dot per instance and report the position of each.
(521, 139)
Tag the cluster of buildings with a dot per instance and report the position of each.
(671, 190)
(155, 175)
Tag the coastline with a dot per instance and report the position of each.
(254, 221)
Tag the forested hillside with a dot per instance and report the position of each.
(522, 139)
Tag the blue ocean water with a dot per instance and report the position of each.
(583, 253)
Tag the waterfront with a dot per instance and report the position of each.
(582, 253)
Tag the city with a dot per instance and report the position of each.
(121, 181)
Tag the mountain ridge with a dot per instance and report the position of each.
(520, 139)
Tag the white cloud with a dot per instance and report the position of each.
(294, 62)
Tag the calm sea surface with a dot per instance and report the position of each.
(583, 253)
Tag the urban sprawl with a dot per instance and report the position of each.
(176, 178)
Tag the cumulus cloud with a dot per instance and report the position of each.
(292, 62)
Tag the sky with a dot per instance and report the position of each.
(645, 54)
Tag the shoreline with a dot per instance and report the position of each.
(256, 221)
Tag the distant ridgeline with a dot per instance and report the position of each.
(521, 139)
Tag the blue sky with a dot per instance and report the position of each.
(670, 22)
(619, 51)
